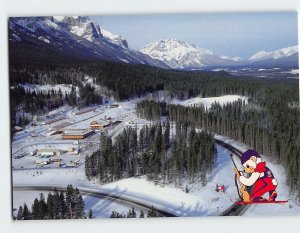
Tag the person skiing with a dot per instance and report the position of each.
(261, 177)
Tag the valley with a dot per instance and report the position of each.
(150, 129)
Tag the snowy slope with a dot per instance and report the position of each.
(207, 102)
(200, 201)
(181, 55)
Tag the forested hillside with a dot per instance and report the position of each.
(127, 81)
(124, 81)
(272, 129)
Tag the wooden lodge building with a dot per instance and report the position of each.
(77, 134)
(97, 125)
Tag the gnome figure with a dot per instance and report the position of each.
(260, 176)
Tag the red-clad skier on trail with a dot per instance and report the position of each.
(261, 177)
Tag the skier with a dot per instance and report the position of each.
(261, 177)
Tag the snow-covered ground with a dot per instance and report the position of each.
(102, 208)
(200, 201)
(207, 102)
(294, 71)
(24, 142)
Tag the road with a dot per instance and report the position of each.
(234, 210)
(98, 194)
(67, 142)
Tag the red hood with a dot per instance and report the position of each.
(260, 167)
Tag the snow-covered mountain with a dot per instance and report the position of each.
(281, 58)
(71, 36)
(84, 27)
(277, 54)
(181, 55)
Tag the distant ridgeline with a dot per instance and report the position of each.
(127, 81)
(273, 129)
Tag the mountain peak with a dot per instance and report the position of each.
(80, 25)
(179, 54)
(280, 53)
(176, 43)
(113, 38)
(173, 44)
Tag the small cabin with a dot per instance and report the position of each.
(114, 105)
(42, 162)
(46, 153)
(96, 125)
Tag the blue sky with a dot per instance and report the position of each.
(232, 34)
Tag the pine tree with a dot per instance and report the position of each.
(167, 135)
(26, 213)
(88, 167)
(35, 209)
(79, 205)
(50, 206)
(131, 213)
(42, 207)
(187, 189)
(142, 215)
(62, 207)
(70, 202)
(90, 215)
(115, 214)
(20, 215)
(152, 213)
(55, 199)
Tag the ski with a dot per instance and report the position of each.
(260, 202)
